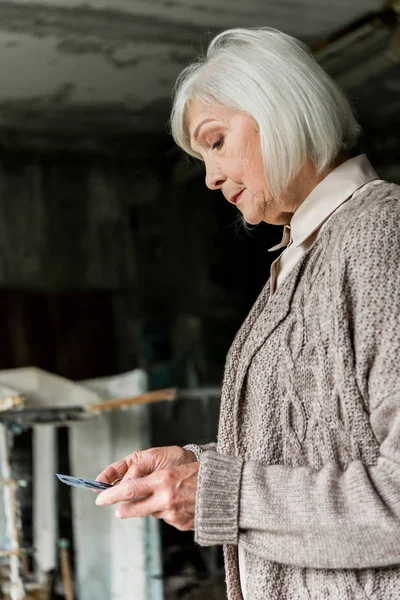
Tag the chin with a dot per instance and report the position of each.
(252, 219)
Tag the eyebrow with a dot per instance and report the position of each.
(196, 132)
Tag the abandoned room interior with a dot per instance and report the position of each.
(123, 279)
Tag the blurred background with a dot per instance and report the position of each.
(115, 258)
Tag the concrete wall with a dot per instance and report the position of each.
(177, 276)
(111, 64)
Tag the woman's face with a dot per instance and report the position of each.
(229, 144)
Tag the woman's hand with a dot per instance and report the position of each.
(161, 482)
(144, 462)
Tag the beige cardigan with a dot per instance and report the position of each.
(306, 471)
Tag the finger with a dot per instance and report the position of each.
(180, 523)
(127, 490)
(133, 472)
(147, 460)
(141, 508)
(113, 472)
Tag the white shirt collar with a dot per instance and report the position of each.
(337, 187)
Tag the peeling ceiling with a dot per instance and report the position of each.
(108, 66)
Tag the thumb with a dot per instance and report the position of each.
(133, 472)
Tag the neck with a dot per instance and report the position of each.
(306, 181)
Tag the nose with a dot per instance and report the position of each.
(215, 178)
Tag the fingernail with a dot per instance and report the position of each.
(118, 513)
(99, 500)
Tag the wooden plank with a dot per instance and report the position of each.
(136, 550)
(90, 451)
(44, 498)
(115, 559)
(128, 536)
(10, 516)
(147, 398)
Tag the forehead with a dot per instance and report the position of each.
(198, 111)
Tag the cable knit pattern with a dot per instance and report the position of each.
(306, 472)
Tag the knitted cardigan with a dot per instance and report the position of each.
(305, 475)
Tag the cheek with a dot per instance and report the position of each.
(235, 170)
(255, 181)
(254, 168)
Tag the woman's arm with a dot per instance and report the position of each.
(324, 518)
(328, 517)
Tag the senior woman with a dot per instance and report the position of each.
(303, 486)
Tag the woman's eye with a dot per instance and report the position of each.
(218, 144)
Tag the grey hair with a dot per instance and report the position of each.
(300, 111)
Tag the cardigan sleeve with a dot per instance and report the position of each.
(329, 517)
(198, 450)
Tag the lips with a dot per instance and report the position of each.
(236, 197)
